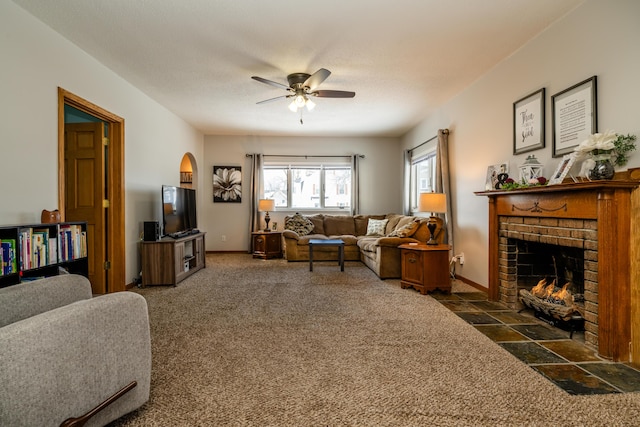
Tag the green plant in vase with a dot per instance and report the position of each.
(602, 152)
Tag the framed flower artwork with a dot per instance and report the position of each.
(227, 184)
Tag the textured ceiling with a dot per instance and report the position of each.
(403, 58)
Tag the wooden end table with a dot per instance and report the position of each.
(327, 242)
(425, 267)
(267, 244)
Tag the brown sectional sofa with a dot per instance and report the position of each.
(379, 253)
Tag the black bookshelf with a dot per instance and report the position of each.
(32, 251)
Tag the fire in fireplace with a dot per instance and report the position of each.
(557, 298)
(559, 264)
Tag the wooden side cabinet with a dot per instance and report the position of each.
(267, 244)
(168, 261)
(425, 267)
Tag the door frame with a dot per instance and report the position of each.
(115, 176)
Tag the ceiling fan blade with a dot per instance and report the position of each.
(316, 78)
(333, 94)
(273, 99)
(270, 82)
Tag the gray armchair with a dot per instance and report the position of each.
(64, 354)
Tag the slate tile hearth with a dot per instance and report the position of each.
(565, 361)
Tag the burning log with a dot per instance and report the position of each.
(548, 291)
(545, 298)
(563, 296)
(538, 290)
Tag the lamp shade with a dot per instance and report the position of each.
(432, 202)
(266, 205)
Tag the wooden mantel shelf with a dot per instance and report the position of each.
(615, 204)
(573, 186)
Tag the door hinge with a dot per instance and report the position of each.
(107, 265)
(105, 141)
(105, 203)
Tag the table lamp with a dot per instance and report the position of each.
(434, 203)
(266, 205)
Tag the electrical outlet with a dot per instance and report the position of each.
(224, 238)
(461, 258)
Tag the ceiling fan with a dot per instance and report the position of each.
(302, 87)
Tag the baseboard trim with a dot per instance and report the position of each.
(228, 252)
(473, 284)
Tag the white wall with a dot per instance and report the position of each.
(598, 38)
(380, 179)
(35, 62)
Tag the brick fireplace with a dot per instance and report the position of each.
(599, 218)
(549, 234)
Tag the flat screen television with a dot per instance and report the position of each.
(178, 210)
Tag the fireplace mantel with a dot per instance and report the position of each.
(615, 205)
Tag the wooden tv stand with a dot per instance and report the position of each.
(169, 261)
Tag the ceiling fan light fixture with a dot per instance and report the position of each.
(310, 104)
(300, 100)
(302, 87)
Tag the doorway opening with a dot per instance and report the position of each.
(91, 186)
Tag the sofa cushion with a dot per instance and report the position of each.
(423, 234)
(405, 220)
(377, 227)
(300, 224)
(348, 239)
(394, 219)
(318, 223)
(405, 230)
(362, 221)
(368, 244)
(336, 225)
(304, 240)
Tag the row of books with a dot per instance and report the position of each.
(8, 261)
(39, 249)
(73, 242)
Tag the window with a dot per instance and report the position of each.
(308, 186)
(276, 185)
(422, 176)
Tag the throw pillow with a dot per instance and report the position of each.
(300, 224)
(406, 230)
(376, 227)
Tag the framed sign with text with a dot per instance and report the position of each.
(528, 123)
(574, 115)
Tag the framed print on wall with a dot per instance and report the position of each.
(528, 123)
(574, 115)
(227, 184)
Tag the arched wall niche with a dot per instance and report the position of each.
(188, 171)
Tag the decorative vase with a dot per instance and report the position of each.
(604, 168)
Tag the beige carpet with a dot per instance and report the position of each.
(267, 343)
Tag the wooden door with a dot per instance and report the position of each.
(84, 192)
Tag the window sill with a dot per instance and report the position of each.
(312, 211)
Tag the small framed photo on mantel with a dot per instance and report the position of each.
(528, 123)
(563, 169)
(494, 173)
